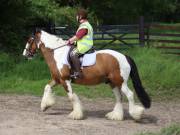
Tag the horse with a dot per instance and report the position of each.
(111, 67)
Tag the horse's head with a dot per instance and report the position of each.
(32, 44)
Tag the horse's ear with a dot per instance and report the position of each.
(36, 31)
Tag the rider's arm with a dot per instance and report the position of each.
(73, 39)
(80, 34)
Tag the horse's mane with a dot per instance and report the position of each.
(51, 41)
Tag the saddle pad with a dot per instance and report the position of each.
(86, 60)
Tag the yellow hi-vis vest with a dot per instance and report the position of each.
(86, 42)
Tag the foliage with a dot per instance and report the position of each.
(20, 17)
(67, 16)
(17, 16)
(123, 11)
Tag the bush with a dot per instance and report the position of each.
(6, 62)
(20, 17)
(67, 16)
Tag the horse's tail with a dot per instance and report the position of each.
(141, 93)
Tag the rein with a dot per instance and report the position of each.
(60, 46)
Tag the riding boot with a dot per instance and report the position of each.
(77, 66)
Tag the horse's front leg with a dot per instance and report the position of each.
(77, 113)
(48, 98)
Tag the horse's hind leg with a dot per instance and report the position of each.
(48, 98)
(135, 111)
(117, 113)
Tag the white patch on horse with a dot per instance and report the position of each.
(77, 112)
(25, 50)
(117, 113)
(135, 111)
(51, 41)
(59, 55)
(48, 98)
(70, 93)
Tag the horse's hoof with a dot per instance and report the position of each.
(45, 108)
(47, 103)
(114, 115)
(136, 112)
(76, 115)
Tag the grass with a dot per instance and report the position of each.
(160, 75)
(171, 130)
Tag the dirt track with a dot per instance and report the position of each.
(21, 115)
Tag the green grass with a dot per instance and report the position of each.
(160, 75)
(171, 130)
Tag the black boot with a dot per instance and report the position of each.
(77, 66)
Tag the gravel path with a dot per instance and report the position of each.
(21, 115)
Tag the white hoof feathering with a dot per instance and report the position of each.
(77, 113)
(136, 112)
(116, 114)
(48, 98)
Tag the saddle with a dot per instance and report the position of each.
(83, 57)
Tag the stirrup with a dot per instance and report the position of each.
(76, 75)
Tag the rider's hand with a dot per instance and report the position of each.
(68, 42)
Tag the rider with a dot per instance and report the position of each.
(83, 40)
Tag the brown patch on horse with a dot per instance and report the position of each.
(49, 58)
(65, 72)
(106, 68)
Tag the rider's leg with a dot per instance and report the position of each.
(76, 63)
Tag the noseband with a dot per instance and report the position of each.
(31, 53)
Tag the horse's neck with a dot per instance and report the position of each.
(48, 56)
(51, 41)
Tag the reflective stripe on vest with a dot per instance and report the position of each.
(87, 40)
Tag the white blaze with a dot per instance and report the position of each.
(25, 50)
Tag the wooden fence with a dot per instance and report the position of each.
(167, 35)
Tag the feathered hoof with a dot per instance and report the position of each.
(45, 108)
(136, 112)
(114, 115)
(76, 115)
(45, 104)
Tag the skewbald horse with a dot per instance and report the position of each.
(110, 66)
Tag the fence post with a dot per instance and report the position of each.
(148, 34)
(141, 31)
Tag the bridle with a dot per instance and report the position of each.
(37, 44)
